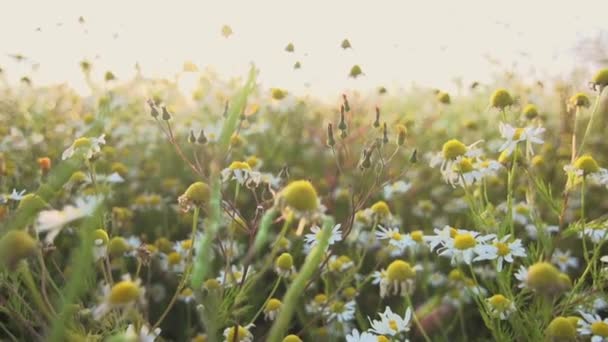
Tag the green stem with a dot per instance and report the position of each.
(294, 292)
(584, 237)
(274, 289)
(186, 275)
(415, 317)
(26, 276)
(590, 124)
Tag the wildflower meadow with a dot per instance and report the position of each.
(239, 212)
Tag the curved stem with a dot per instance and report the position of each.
(274, 289)
(182, 282)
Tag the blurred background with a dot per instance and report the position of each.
(397, 44)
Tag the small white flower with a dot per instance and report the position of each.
(395, 238)
(233, 276)
(52, 221)
(341, 311)
(88, 147)
(397, 188)
(506, 251)
(468, 247)
(144, 335)
(355, 336)
(311, 240)
(242, 173)
(122, 295)
(513, 135)
(16, 196)
(592, 324)
(500, 306)
(596, 233)
(390, 323)
(522, 276)
(243, 334)
(564, 260)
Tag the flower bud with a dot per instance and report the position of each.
(330, 135)
(166, 115)
(377, 121)
(501, 99)
(15, 246)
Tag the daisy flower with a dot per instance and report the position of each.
(399, 278)
(513, 136)
(506, 251)
(341, 311)
(451, 154)
(124, 294)
(242, 173)
(592, 324)
(468, 247)
(585, 166)
(390, 323)
(395, 238)
(243, 334)
(500, 306)
(564, 260)
(85, 147)
(234, 276)
(52, 221)
(397, 188)
(356, 336)
(16, 196)
(144, 334)
(272, 308)
(311, 239)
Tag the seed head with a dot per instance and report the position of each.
(453, 149)
(300, 195)
(124, 292)
(501, 99)
(580, 100)
(561, 329)
(292, 338)
(600, 80)
(530, 111)
(15, 246)
(400, 270)
(586, 164)
(198, 193)
(355, 71)
(284, 262)
(443, 97)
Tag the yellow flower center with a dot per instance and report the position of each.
(499, 302)
(241, 333)
(320, 298)
(600, 329)
(417, 235)
(284, 262)
(174, 258)
(517, 134)
(212, 284)
(543, 276)
(453, 149)
(124, 292)
(400, 270)
(82, 142)
(300, 195)
(396, 236)
(587, 164)
(273, 305)
(239, 165)
(382, 338)
(393, 324)
(464, 165)
(561, 328)
(187, 244)
(278, 94)
(464, 241)
(381, 209)
(338, 306)
(503, 248)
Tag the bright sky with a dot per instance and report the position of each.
(395, 42)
